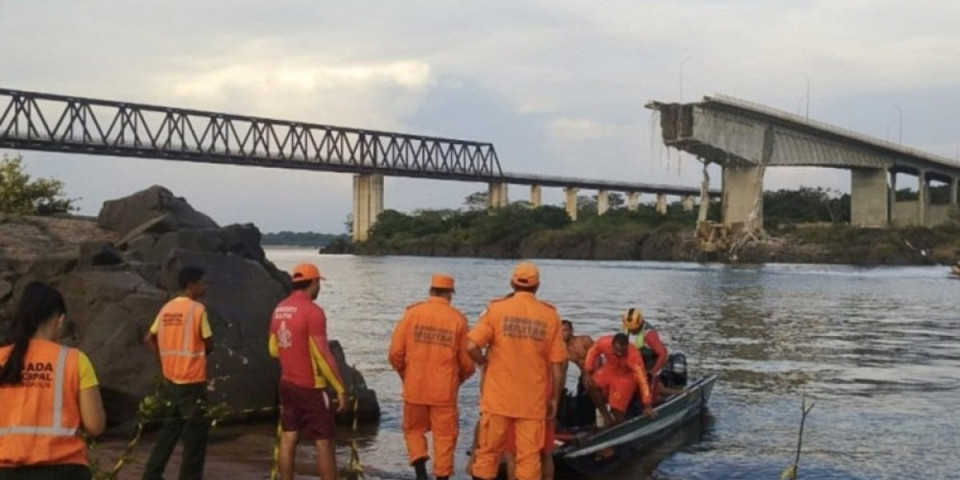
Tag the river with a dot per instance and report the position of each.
(877, 349)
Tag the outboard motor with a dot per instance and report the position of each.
(674, 375)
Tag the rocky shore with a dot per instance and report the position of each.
(118, 269)
(838, 244)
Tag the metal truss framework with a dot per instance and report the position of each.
(59, 123)
(39, 121)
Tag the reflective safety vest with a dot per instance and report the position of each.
(40, 418)
(182, 349)
(649, 357)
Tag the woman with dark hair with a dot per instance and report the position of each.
(48, 392)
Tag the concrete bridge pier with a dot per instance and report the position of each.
(633, 201)
(740, 191)
(688, 203)
(497, 195)
(571, 202)
(869, 202)
(923, 197)
(367, 203)
(662, 203)
(603, 202)
(954, 186)
(536, 196)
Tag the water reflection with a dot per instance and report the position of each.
(877, 348)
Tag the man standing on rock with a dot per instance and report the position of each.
(428, 350)
(524, 348)
(298, 338)
(181, 337)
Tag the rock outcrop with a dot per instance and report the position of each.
(117, 272)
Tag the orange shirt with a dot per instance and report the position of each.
(630, 364)
(298, 337)
(40, 418)
(524, 339)
(181, 327)
(429, 350)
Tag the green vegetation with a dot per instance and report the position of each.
(804, 205)
(518, 230)
(300, 239)
(806, 225)
(21, 195)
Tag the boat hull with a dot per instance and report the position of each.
(604, 450)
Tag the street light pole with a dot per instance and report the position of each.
(682, 62)
(899, 124)
(807, 77)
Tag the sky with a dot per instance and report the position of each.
(557, 86)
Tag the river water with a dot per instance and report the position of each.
(877, 349)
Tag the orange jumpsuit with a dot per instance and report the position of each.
(619, 376)
(523, 339)
(428, 350)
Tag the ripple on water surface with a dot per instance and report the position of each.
(876, 348)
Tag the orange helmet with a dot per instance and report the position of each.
(632, 319)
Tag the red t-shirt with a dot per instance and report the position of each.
(298, 337)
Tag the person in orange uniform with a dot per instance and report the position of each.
(48, 393)
(428, 351)
(181, 337)
(647, 341)
(617, 380)
(524, 347)
(546, 449)
(298, 338)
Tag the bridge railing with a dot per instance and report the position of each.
(38, 121)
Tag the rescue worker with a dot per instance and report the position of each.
(577, 348)
(524, 347)
(181, 337)
(48, 393)
(298, 338)
(428, 351)
(580, 411)
(615, 382)
(647, 341)
(546, 449)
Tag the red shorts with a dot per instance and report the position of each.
(617, 385)
(306, 410)
(549, 434)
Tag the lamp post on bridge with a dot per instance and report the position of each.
(899, 124)
(807, 103)
(682, 63)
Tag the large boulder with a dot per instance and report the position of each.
(118, 271)
(125, 214)
(240, 301)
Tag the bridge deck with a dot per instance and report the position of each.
(724, 129)
(58, 123)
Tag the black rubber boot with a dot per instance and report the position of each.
(420, 466)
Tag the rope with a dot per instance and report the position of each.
(355, 470)
(275, 467)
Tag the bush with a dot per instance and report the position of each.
(23, 196)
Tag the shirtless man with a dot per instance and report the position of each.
(577, 347)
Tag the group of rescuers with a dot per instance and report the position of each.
(49, 392)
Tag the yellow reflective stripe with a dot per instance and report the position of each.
(56, 429)
(178, 353)
(58, 388)
(188, 327)
(52, 431)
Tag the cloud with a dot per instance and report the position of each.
(575, 129)
(558, 87)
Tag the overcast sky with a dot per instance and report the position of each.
(558, 86)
